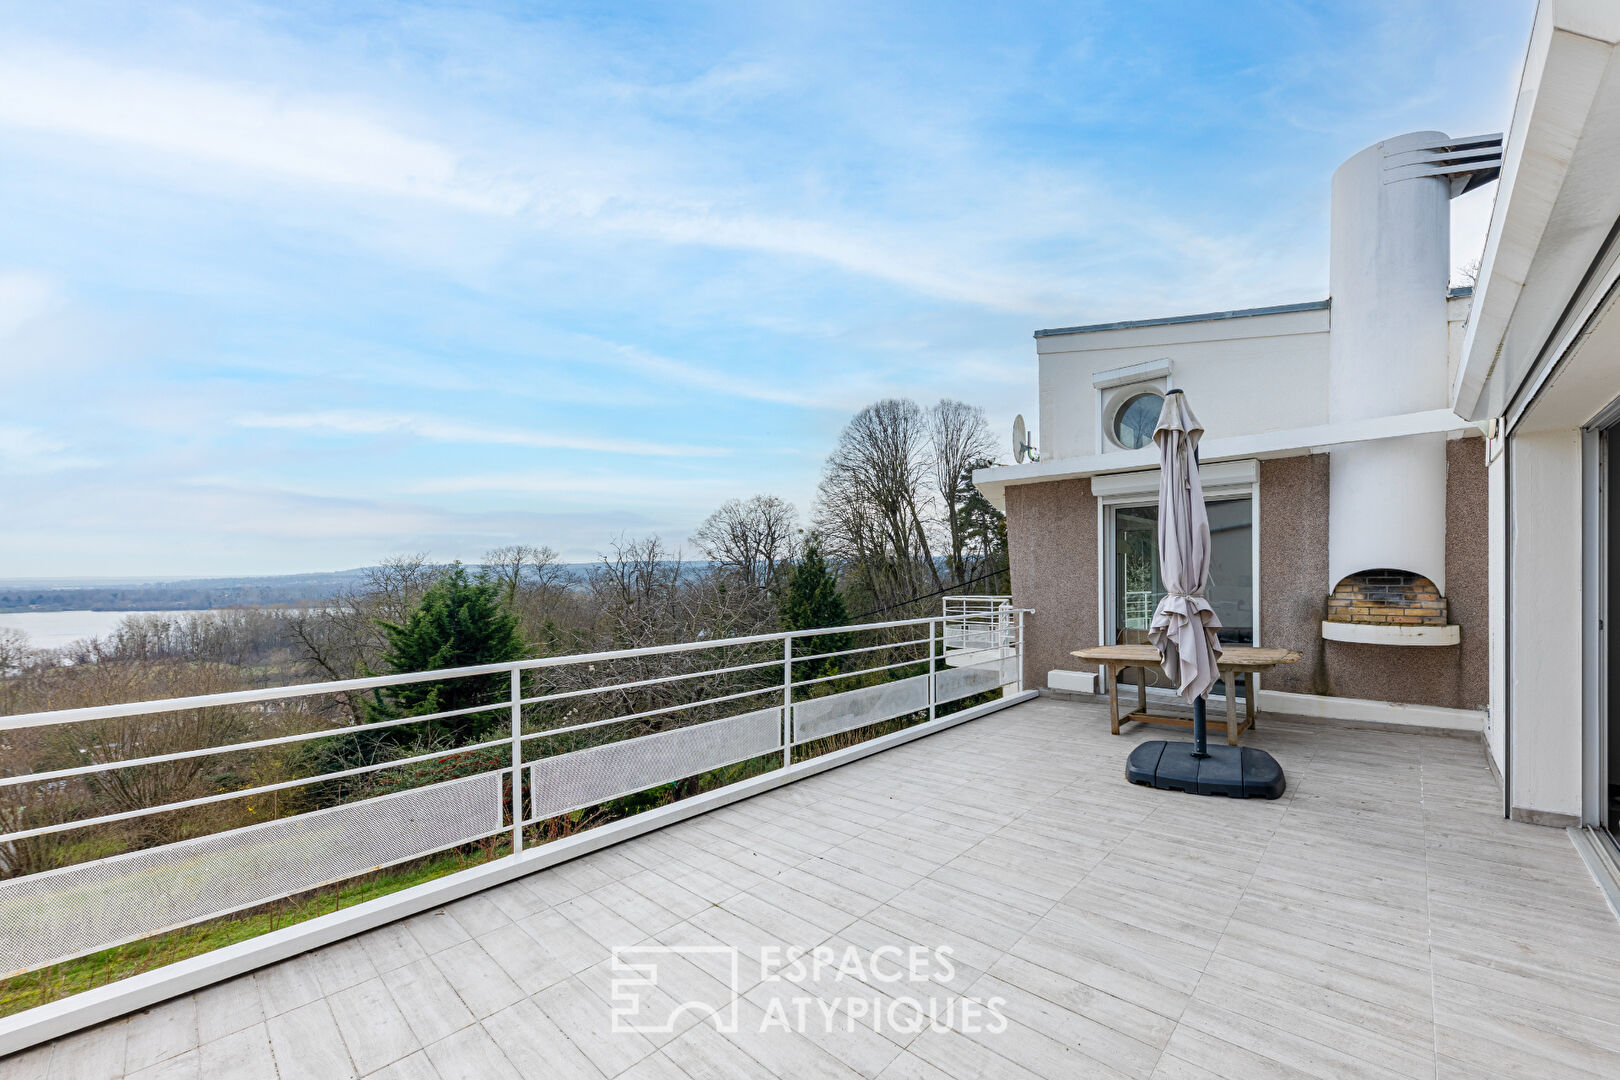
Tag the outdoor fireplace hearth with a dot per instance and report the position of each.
(1387, 598)
(1387, 606)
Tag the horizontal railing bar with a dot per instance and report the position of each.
(563, 695)
(863, 671)
(247, 697)
(772, 689)
(864, 649)
(853, 628)
(264, 789)
(257, 744)
(354, 729)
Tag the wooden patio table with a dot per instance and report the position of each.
(1234, 659)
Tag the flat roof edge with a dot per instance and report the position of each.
(1213, 316)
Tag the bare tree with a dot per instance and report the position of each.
(106, 681)
(344, 638)
(635, 585)
(15, 651)
(983, 529)
(958, 436)
(750, 538)
(517, 567)
(875, 498)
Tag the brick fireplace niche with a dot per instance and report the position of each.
(1388, 607)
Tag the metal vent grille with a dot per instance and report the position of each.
(49, 917)
(586, 777)
(820, 717)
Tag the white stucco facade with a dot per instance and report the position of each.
(1358, 380)
(1219, 362)
(1540, 366)
(1311, 375)
(1342, 374)
(1383, 376)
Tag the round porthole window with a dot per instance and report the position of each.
(1135, 420)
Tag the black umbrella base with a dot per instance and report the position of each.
(1237, 772)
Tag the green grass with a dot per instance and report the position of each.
(97, 969)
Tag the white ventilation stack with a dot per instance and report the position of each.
(1388, 273)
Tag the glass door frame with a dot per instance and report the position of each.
(1107, 560)
(1599, 602)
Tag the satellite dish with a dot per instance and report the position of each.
(1022, 447)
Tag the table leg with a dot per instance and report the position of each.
(1113, 698)
(1251, 683)
(1231, 709)
(1141, 690)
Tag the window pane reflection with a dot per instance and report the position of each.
(1138, 587)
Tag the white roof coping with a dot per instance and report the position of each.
(1171, 320)
(1131, 373)
(1291, 442)
(1572, 46)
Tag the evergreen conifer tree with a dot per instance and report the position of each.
(458, 623)
(811, 601)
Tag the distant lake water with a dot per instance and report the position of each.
(53, 629)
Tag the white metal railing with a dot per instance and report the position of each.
(557, 735)
(973, 624)
(975, 605)
(1139, 608)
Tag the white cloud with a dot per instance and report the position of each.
(24, 298)
(30, 450)
(197, 530)
(750, 386)
(256, 128)
(435, 429)
(598, 485)
(546, 183)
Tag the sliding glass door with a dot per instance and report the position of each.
(1133, 554)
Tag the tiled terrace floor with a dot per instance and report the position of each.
(1381, 920)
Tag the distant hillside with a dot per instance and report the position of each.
(192, 595)
(197, 594)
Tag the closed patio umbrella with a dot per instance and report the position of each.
(1185, 628)
(1184, 624)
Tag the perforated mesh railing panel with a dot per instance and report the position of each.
(62, 913)
(965, 682)
(820, 717)
(976, 636)
(586, 777)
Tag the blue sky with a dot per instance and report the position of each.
(297, 287)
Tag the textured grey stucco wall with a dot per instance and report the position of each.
(1294, 568)
(1293, 592)
(1052, 549)
(1052, 540)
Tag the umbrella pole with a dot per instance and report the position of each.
(1200, 742)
